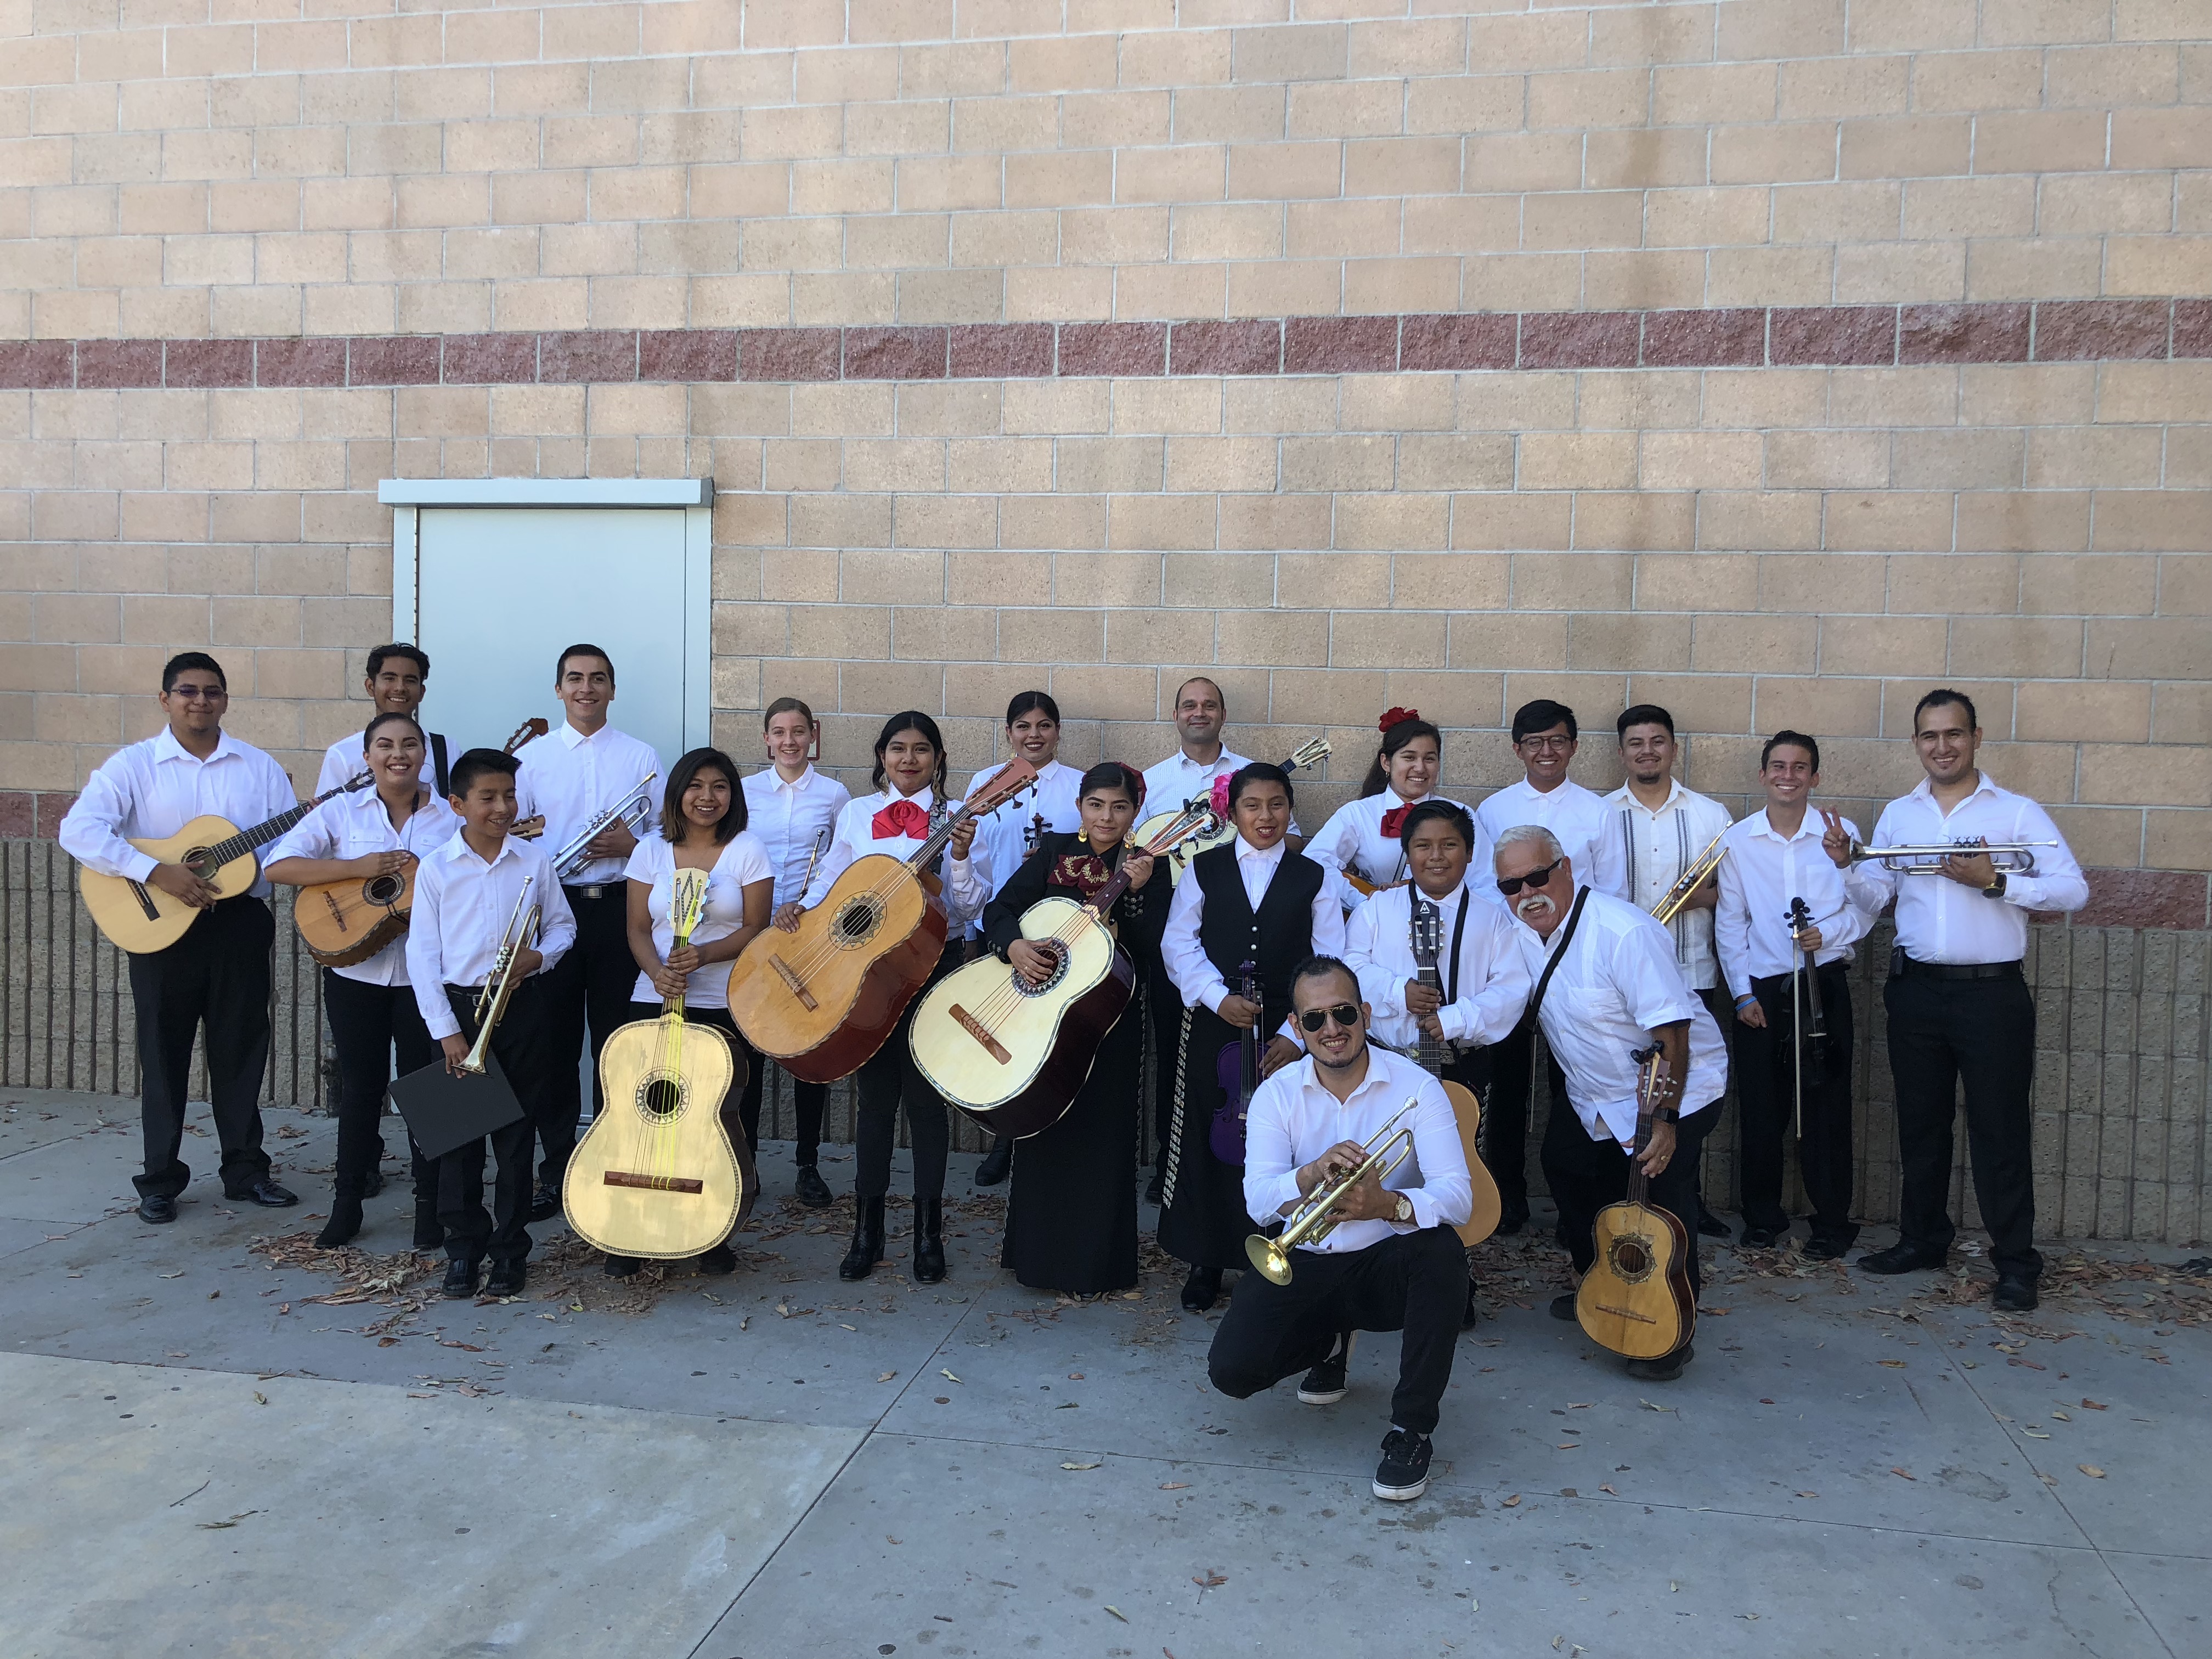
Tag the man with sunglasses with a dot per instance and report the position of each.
(1390, 1262)
(1607, 986)
(1545, 738)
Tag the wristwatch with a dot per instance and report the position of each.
(1405, 1208)
(1995, 890)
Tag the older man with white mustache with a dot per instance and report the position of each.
(1607, 985)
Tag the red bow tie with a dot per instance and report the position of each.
(902, 818)
(1394, 821)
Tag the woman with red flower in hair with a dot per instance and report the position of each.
(1360, 840)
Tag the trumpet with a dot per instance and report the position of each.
(2009, 858)
(1309, 1222)
(631, 811)
(1688, 882)
(499, 984)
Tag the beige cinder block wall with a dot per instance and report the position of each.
(1774, 359)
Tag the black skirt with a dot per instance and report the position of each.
(1071, 1209)
(1203, 1220)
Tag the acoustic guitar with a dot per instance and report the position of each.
(1635, 1298)
(348, 921)
(820, 1001)
(1012, 1055)
(142, 919)
(1426, 923)
(655, 1175)
(1306, 754)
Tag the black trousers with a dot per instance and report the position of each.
(1586, 1175)
(889, 1081)
(810, 1098)
(592, 982)
(217, 975)
(1505, 1117)
(368, 1024)
(1412, 1282)
(1982, 1030)
(1766, 1110)
(525, 1052)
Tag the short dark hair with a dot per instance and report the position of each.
(1941, 695)
(1320, 966)
(384, 653)
(1033, 702)
(1643, 714)
(1114, 775)
(1430, 811)
(190, 661)
(1794, 740)
(368, 731)
(1542, 715)
(690, 766)
(1259, 772)
(1219, 695)
(475, 763)
(910, 719)
(561, 666)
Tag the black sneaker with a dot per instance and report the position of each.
(1403, 1474)
(1325, 1384)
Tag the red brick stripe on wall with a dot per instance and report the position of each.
(2047, 331)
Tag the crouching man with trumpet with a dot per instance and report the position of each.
(1357, 1149)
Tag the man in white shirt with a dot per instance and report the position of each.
(1606, 986)
(1661, 829)
(397, 677)
(1389, 1262)
(1793, 1033)
(217, 974)
(1545, 738)
(569, 779)
(1958, 1003)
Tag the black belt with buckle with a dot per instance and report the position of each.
(596, 890)
(1904, 967)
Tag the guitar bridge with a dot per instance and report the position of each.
(145, 900)
(338, 915)
(789, 974)
(654, 1183)
(975, 1028)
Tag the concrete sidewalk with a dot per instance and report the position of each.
(204, 1462)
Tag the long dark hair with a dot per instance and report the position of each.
(1032, 702)
(679, 779)
(1396, 738)
(911, 719)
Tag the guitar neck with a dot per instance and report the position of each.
(1650, 1062)
(1433, 1051)
(246, 841)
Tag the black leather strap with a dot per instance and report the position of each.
(1536, 997)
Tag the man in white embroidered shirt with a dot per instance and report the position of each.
(1389, 1262)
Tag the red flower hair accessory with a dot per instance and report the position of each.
(1396, 717)
(1221, 802)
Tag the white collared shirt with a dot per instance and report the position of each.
(1493, 983)
(1352, 840)
(1184, 956)
(738, 865)
(1293, 1120)
(358, 826)
(572, 778)
(1617, 984)
(345, 759)
(787, 818)
(1577, 818)
(150, 789)
(1003, 836)
(1179, 778)
(462, 908)
(1938, 919)
(1655, 848)
(967, 881)
(1763, 871)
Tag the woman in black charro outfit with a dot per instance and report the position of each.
(1071, 1210)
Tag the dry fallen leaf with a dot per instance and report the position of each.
(1117, 1612)
(2035, 1434)
(1609, 1489)
(2062, 1417)
(1078, 1466)
(1907, 1474)
(948, 1376)
(259, 1398)
(1174, 1485)
(1809, 1494)
(2089, 1404)
(1209, 1581)
(887, 1376)
(1511, 1501)
(2091, 1470)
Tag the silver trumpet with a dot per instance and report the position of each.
(499, 984)
(2009, 858)
(631, 811)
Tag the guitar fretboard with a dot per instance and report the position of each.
(223, 852)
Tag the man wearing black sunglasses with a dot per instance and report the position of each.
(1391, 1261)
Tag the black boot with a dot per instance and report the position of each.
(1201, 1290)
(429, 1231)
(928, 1240)
(344, 1222)
(813, 1192)
(996, 1161)
(867, 1247)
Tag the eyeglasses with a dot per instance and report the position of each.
(1345, 1014)
(1509, 885)
(1546, 742)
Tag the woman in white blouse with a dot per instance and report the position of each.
(703, 827)
(1361, 838)
(371, 1006)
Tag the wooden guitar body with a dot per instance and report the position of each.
(1482, 1215)
(655, 1175)
(342, 922)
(140, 918)
(1635, 1298)
(1013, 1058)
(820, 1001)
(1220, 835)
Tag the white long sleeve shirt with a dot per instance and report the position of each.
(1938, 919)
(1185, 958)
(787, 818)
(1004, 836)
(1293, 1119)
(572, 778)
(1655, 848)
(462, 907)
(152, 789)
(1352, 842)
(358, 826)
(1483, 1002)
(1170, 782)
(967, 881)
(1763, 871)
(1576, 817)
(738, 866)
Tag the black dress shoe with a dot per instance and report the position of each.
(1154, 1195)
(460, 1280)
(1711, 1225)
(2015, 1293)
(508, 1278)
(928, 1240)
(1201, 1290)
(265, 1193)
(813, 1192)
(1763, 1238)
(1899, 1258)
(621, 1267)
(545, 1203)
(429, 1231)
(1510, 1223)
(1665, 1368)
(996, 1163)
(1563, 1307)
(157, 1208)
(1824, 1249)
(867, 1246)
(716, 1259)
(344, 1222)
(374, 1185)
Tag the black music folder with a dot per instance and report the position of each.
(444, 1111)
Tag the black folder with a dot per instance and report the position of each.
(444, 1111)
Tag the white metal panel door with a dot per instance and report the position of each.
(502, 591)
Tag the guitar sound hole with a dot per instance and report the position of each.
(1059, 973)
(381, 889)
(660, 1098)
(1629, 1258)
(857, 923)
(198, 862)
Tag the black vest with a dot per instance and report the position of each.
(1278, 938)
